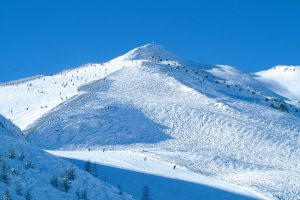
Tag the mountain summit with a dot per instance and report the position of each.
(154, 52)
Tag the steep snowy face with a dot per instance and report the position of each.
(29, 173)
(150, 52)
(7, 127)
(284, 80)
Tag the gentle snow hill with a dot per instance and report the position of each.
(212, 120)
(284, 80)
(29, 171)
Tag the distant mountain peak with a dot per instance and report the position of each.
(150, 51)
(282, 79)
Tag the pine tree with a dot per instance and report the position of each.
(6, 195)
(21, 156)
(15, 170)
(66, 183)
(70, 173)
(28, 165)
(84, 195)
(146, 193)
(18, 189)
(28, 195)
(120, 190)
(77, 193)
(94, 170)
(4, 174)
(54, 181)
(88, 166)
(11, 154)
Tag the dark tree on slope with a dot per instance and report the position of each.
(4, 174)
(77, 193)
(84, 195)
(94, 171)
(81, 194)
(146, 193)
(120, 190)
(6, 195)
(54, 181)
(28, 165)
(70, 173)
(66, 184)
(27, 195)
(11, 154)
(18, 189)
(88, 166)
(21, 156)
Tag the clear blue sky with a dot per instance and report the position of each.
(46, 36)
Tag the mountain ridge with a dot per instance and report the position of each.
(213, 120)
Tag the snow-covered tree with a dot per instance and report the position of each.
(84, 195)
(81, 194)
(4, 173)
(11, 154)
(21, 156)
(78, 195)
(70, 173)
(18, 189)
(28, 165)
(54, 181)
(15, 170)
(6, 195)
(27, 195)
(66, 184)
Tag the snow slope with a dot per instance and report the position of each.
(177, 184)
(211, 120)
(206, 122)
(284, 80)
(25, 101)
(36, 180)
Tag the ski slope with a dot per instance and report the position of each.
(27, 100)
(35, 181)
(214, 121)
(132, 169)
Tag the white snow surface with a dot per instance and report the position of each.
(214, 121)
(282, 79)
(140, 161)
(36, 180)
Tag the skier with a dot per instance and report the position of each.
(174, 167)
(145, 158)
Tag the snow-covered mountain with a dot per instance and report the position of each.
(29, 173)
(284, 80)
(216, 125)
